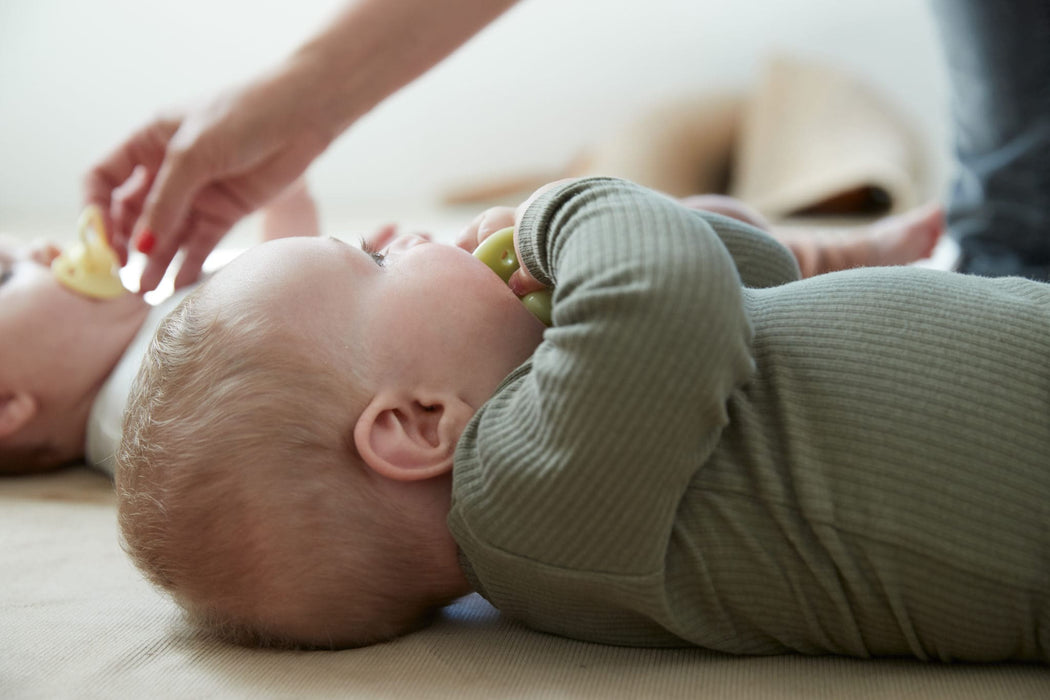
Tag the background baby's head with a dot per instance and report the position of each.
(241, 492)
(56, 349)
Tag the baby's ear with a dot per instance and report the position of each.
(408, 438)
(16, 410)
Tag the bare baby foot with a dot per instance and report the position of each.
(895, 240)
(903, 239)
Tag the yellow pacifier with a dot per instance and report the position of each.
(89, 266)
(497, 251)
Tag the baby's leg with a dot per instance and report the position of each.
(895, 240)
(291, 213)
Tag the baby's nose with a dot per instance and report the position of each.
(406, 241)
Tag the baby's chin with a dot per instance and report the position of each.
(523, 330)
(511, 307)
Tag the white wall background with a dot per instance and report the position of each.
(545, 79)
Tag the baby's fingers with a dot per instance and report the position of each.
(522, 283)
(495, 219)
(484, 225)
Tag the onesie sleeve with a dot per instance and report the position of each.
(581, 461)
(761, 260)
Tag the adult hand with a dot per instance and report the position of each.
(182, 181)
(203, 169)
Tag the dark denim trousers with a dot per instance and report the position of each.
(998, 57)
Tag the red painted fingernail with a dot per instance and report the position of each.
(146, 242)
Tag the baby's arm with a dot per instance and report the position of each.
(894, 240)
(627, 391)
(759, 258)
(291, 213)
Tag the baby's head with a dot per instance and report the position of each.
(56, 349)
(285, 467)
(241, 492)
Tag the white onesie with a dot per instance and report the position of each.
(107, 413)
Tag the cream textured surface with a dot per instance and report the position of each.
(77, 621)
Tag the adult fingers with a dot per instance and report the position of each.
(98, 187)
(144, 148)
(213, 211)
(196, 253)
(167, 208)
(199, 239)
(126, 207)
(160, 252)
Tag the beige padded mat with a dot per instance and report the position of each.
(78, 621)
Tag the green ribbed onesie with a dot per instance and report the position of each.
(706, 450)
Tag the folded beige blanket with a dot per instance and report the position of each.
(814, 137)
(809, 138)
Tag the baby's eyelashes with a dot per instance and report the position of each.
(381, 237)
(369, 249)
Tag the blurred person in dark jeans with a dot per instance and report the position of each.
(998, 58)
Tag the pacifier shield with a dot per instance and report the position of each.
(89, 266)
(497, 251)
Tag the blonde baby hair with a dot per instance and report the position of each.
(241, 492)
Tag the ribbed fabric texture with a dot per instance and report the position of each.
(705, 450)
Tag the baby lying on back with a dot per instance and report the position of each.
(325, 444)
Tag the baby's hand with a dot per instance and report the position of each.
(522, 282)
(484, 225)
(496, 219)
(489, 222)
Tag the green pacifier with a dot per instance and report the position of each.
(497, 251)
